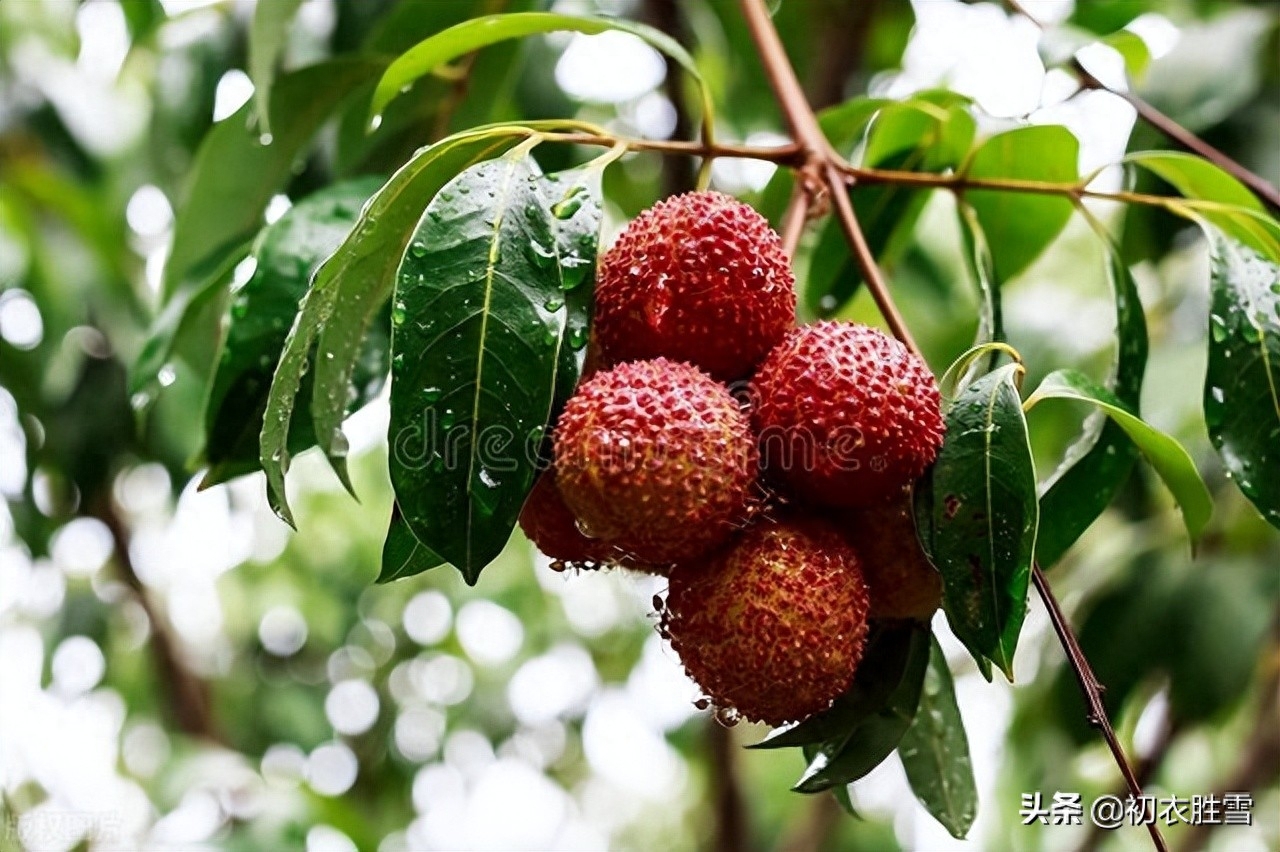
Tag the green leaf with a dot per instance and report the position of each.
(935, 751)
(268, 35)
(1166, 455)
(1242, 384)
(1097, 463)
(402, 554)
(1132, 49)
(1194, 177)
(978, 253)
(196, 293)
(848, 757)
(976, 514)
(349, 289)
(885, 661)
(432, 54)
(490, 317)
(262, 311)
(236, 174)
(1019, 226)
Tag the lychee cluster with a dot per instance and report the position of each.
(782, 520)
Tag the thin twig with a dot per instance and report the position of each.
(793, 221)
(1148, 765)
(186, 694)
(731, 834)
(1172, 130)
(1091, 689)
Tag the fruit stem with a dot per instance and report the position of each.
(1095, 710)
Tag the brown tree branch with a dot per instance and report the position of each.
(186, 694)
(1171, 130)
(819, 155)
(1091, 688)
(729, 806)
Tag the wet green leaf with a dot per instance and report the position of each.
(1242, 384)
(402, 554)
(847, 757)
(976, 514)
(490, 321)
(1019, 226)
(1166, 455)
(261, 314)
(268, 35)
(347, 292)
(1098, 462)
(935, 751)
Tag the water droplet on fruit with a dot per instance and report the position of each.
(727, 716)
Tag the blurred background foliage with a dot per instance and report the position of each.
(178, 670)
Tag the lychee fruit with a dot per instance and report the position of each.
(902, 581)
(847, 416)
(553, 529)
(772, 627)
(700, 278)
(657, 459)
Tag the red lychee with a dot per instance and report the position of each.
(700, 278)
(553, 529)
(657, 459)
(902, 581)
(773, 626)
(846, 415)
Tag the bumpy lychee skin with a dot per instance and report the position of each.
(657, 459)
(699, 278)
(773, 626)
(847, 416)
(553, 529)
(901, 580)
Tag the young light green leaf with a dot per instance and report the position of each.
(431, 54)
(846, 758)
(1132, 49)
(1195, 177)
(1166, 455)
(349, 289)
(935, 751)
(237, 170)
(268, 35)
(978, 253)
(287, 254)
(488, 327)
(976, 515)
(1242, 384)
(402, 554)
(1097, 463)
(1019, 226)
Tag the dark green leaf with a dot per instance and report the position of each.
(402, 554)
(488, 331)
(976, 514)
(848, 757)
(935, 751)
(883, 666)
(1166, 455)
(1019, 226)
(268, 35)
(1097, 463)
(262, 312)
(349, 289)
(432, 54)
(1242, 384)
(235, 173)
